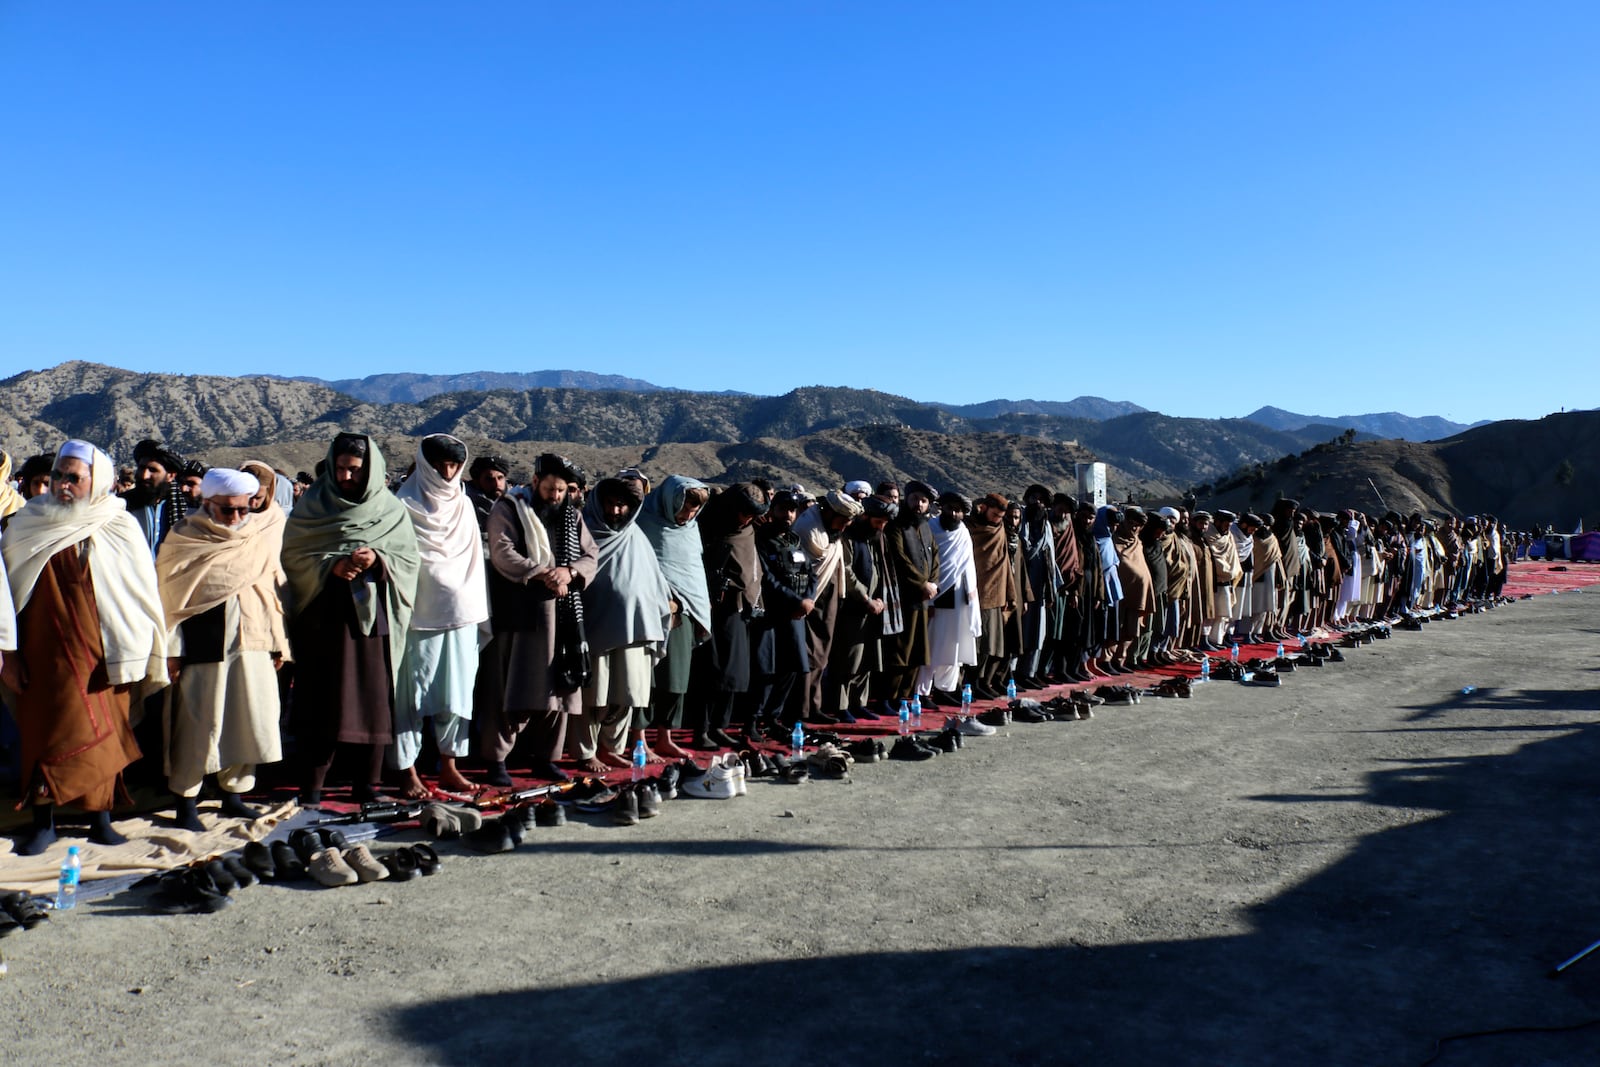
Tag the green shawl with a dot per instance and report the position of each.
(325, 527)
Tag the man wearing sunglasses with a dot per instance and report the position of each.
(90, 637)
(220, 581)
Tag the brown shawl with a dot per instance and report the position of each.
(1180, 566)
(991, 554)
(1068, 559)
(202, 564)
(1138, 594)
(1225, 567)
(1265, 554)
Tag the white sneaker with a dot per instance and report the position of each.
(974, 728)
(735, 767)
(718, 783)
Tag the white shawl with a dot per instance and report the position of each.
(827, 555)
(133, 632)
(537, 546)
(452, 590)
(958, 570)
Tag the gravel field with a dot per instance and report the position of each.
(1338, 871)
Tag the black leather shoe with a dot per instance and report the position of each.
(907, 749)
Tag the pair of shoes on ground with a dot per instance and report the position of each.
(830, 761)
(1118, 694)
(912, 748)
(1174, 687)
(19, 911)
(971, 727)
(1024, 709)
(867, 750)
(995, 717)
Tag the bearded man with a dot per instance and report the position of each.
(733, 571)
(909, 544)
(669, 520)
(542, 557)
(1227, 575)
(954, 618)
(440, 666)
(1043, 574)
(221, 585)
(626, 611)
(997, 591)
(487, 486)
(869, 614)
(820, 530)
(350, 553)
(89, 630)
(778, 637)
(156, 501)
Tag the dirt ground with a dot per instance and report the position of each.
(1339, 871)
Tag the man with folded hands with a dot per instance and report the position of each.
(221, 585)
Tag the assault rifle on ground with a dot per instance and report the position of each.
(520, 796)
(376, 811)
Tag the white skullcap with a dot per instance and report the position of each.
(224, 481)
(858, 487)
(1169, 513)
(76, 449)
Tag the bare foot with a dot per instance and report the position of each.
(611, 759)
(650, 756)
(668, 749)
(594, 766)
(413, 789)
(456, 782)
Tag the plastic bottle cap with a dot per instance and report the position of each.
(72, 850)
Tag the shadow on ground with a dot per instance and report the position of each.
(1441, 926)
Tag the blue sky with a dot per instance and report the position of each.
(1202, 208)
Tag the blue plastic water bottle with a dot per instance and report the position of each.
(916, 711)
(67, 887)
(966, 701)
(1011, 689)
(1205, 668)
(1233, 653)
(1280, 649)
(905, 717)
(639, 758)
(797, 741)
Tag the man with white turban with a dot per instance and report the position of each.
(221, 586)
(90, 630)
(440, 664)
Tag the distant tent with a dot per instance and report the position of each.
(1584, 547)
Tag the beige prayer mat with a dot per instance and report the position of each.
(153, 845)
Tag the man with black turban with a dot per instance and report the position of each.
(909, 545)
(156, 500)
(542, 558)
(869, 611)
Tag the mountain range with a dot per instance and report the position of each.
(818, 436)
(414, 388)
(1387, 424)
